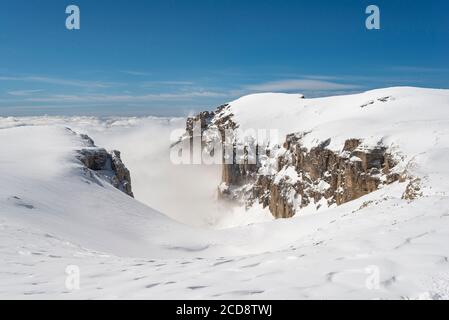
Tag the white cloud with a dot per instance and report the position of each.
(98, 98)
(20, 93)
(301, 85)
(419, 69)
(136, 73)
(59, 81)
(167, 83)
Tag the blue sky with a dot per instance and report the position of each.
(170, 57)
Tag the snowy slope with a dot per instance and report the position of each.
(45, 187)
(144, 145)
(379, 246)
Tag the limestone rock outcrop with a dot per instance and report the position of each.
(323, 177)
(301, 177)
(108, 165)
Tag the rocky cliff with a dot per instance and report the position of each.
(287, 178)
(107, 165)
(322, 177)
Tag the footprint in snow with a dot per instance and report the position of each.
(31, 293)
(18, 202)
(389, 282)
(444, 260)
(189, 249)
(222, 262)
(196, 287)
(330, 276)
(251, 265)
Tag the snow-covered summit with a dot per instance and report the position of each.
(374, 114)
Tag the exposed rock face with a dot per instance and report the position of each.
(300, 177)
(204, 118)
(413, 190)
(106, 164)
(218, 119)
(322, 177)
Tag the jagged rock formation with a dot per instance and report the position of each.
(321, 176)
(107, 165)
(203, 118)
(298, 177)
(219, 120)
(413, 190)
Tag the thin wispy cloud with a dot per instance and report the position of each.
(153, 92)
(136, 73)
(22, 93)
(59, 81)
(168, 91)
(167, 83)
(104, 98)
(323, 77)
(300, 85)
(367, 81)
(419, 69)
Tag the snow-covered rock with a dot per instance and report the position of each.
(106, 164)
(354, 144)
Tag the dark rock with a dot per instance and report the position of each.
(107, 165)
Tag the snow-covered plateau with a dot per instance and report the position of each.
(176, 240)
